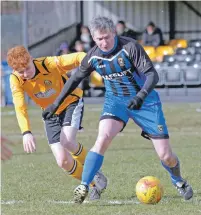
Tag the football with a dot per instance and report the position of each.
(149, 190)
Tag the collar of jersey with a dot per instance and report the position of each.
(38, 72)
(115, 46)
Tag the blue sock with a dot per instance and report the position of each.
(174, 172)
(93, 163)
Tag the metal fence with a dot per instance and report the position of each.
(30, 22)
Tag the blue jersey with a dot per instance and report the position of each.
(123, 68)
(127, 71)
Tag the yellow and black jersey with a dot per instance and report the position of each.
(43, 89)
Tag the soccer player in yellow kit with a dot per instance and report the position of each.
(43, 79)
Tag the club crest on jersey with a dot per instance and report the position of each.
(121, 62)
(47, 82)
(160, 128)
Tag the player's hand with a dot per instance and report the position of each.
(6, 153)
(135, 103)
(29, 143)
(49, 111)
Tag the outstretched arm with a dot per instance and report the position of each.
(29, 142)
(20, 104)
(70, 86)
(84, 70)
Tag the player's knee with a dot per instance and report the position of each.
(104, 139)
(102, 143)
(166, 157)
(69, 142)
(66, 138)
(66, 141)
(62, 163)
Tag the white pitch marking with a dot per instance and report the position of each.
(11, 202)
(122, 202)
(111, 202)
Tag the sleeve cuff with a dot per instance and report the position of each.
(142, 94)
(26, 132)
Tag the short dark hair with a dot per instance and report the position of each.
(151, 24)
(121, 22)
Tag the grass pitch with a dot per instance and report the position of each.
(33, 184)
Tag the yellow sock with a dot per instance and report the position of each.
(76, 171)
(80, 155)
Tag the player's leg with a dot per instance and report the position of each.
(69, 141)
(108, 129)
(62, 156)
(113, 119)
(71, 123)
(171, 163)
(152, 122)
(65, 161)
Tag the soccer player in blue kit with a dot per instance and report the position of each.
(129, 78)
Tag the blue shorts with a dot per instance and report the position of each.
(149, 118)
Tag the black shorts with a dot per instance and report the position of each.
(71, 116)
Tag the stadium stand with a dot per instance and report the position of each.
(151, 51)
(160, 69)
(181, 63)
(173, 76)
(169, 60)
(195, 43)
(164, 50)
(192, 75)
(182, 51)
(161, 51)
(178, 43)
